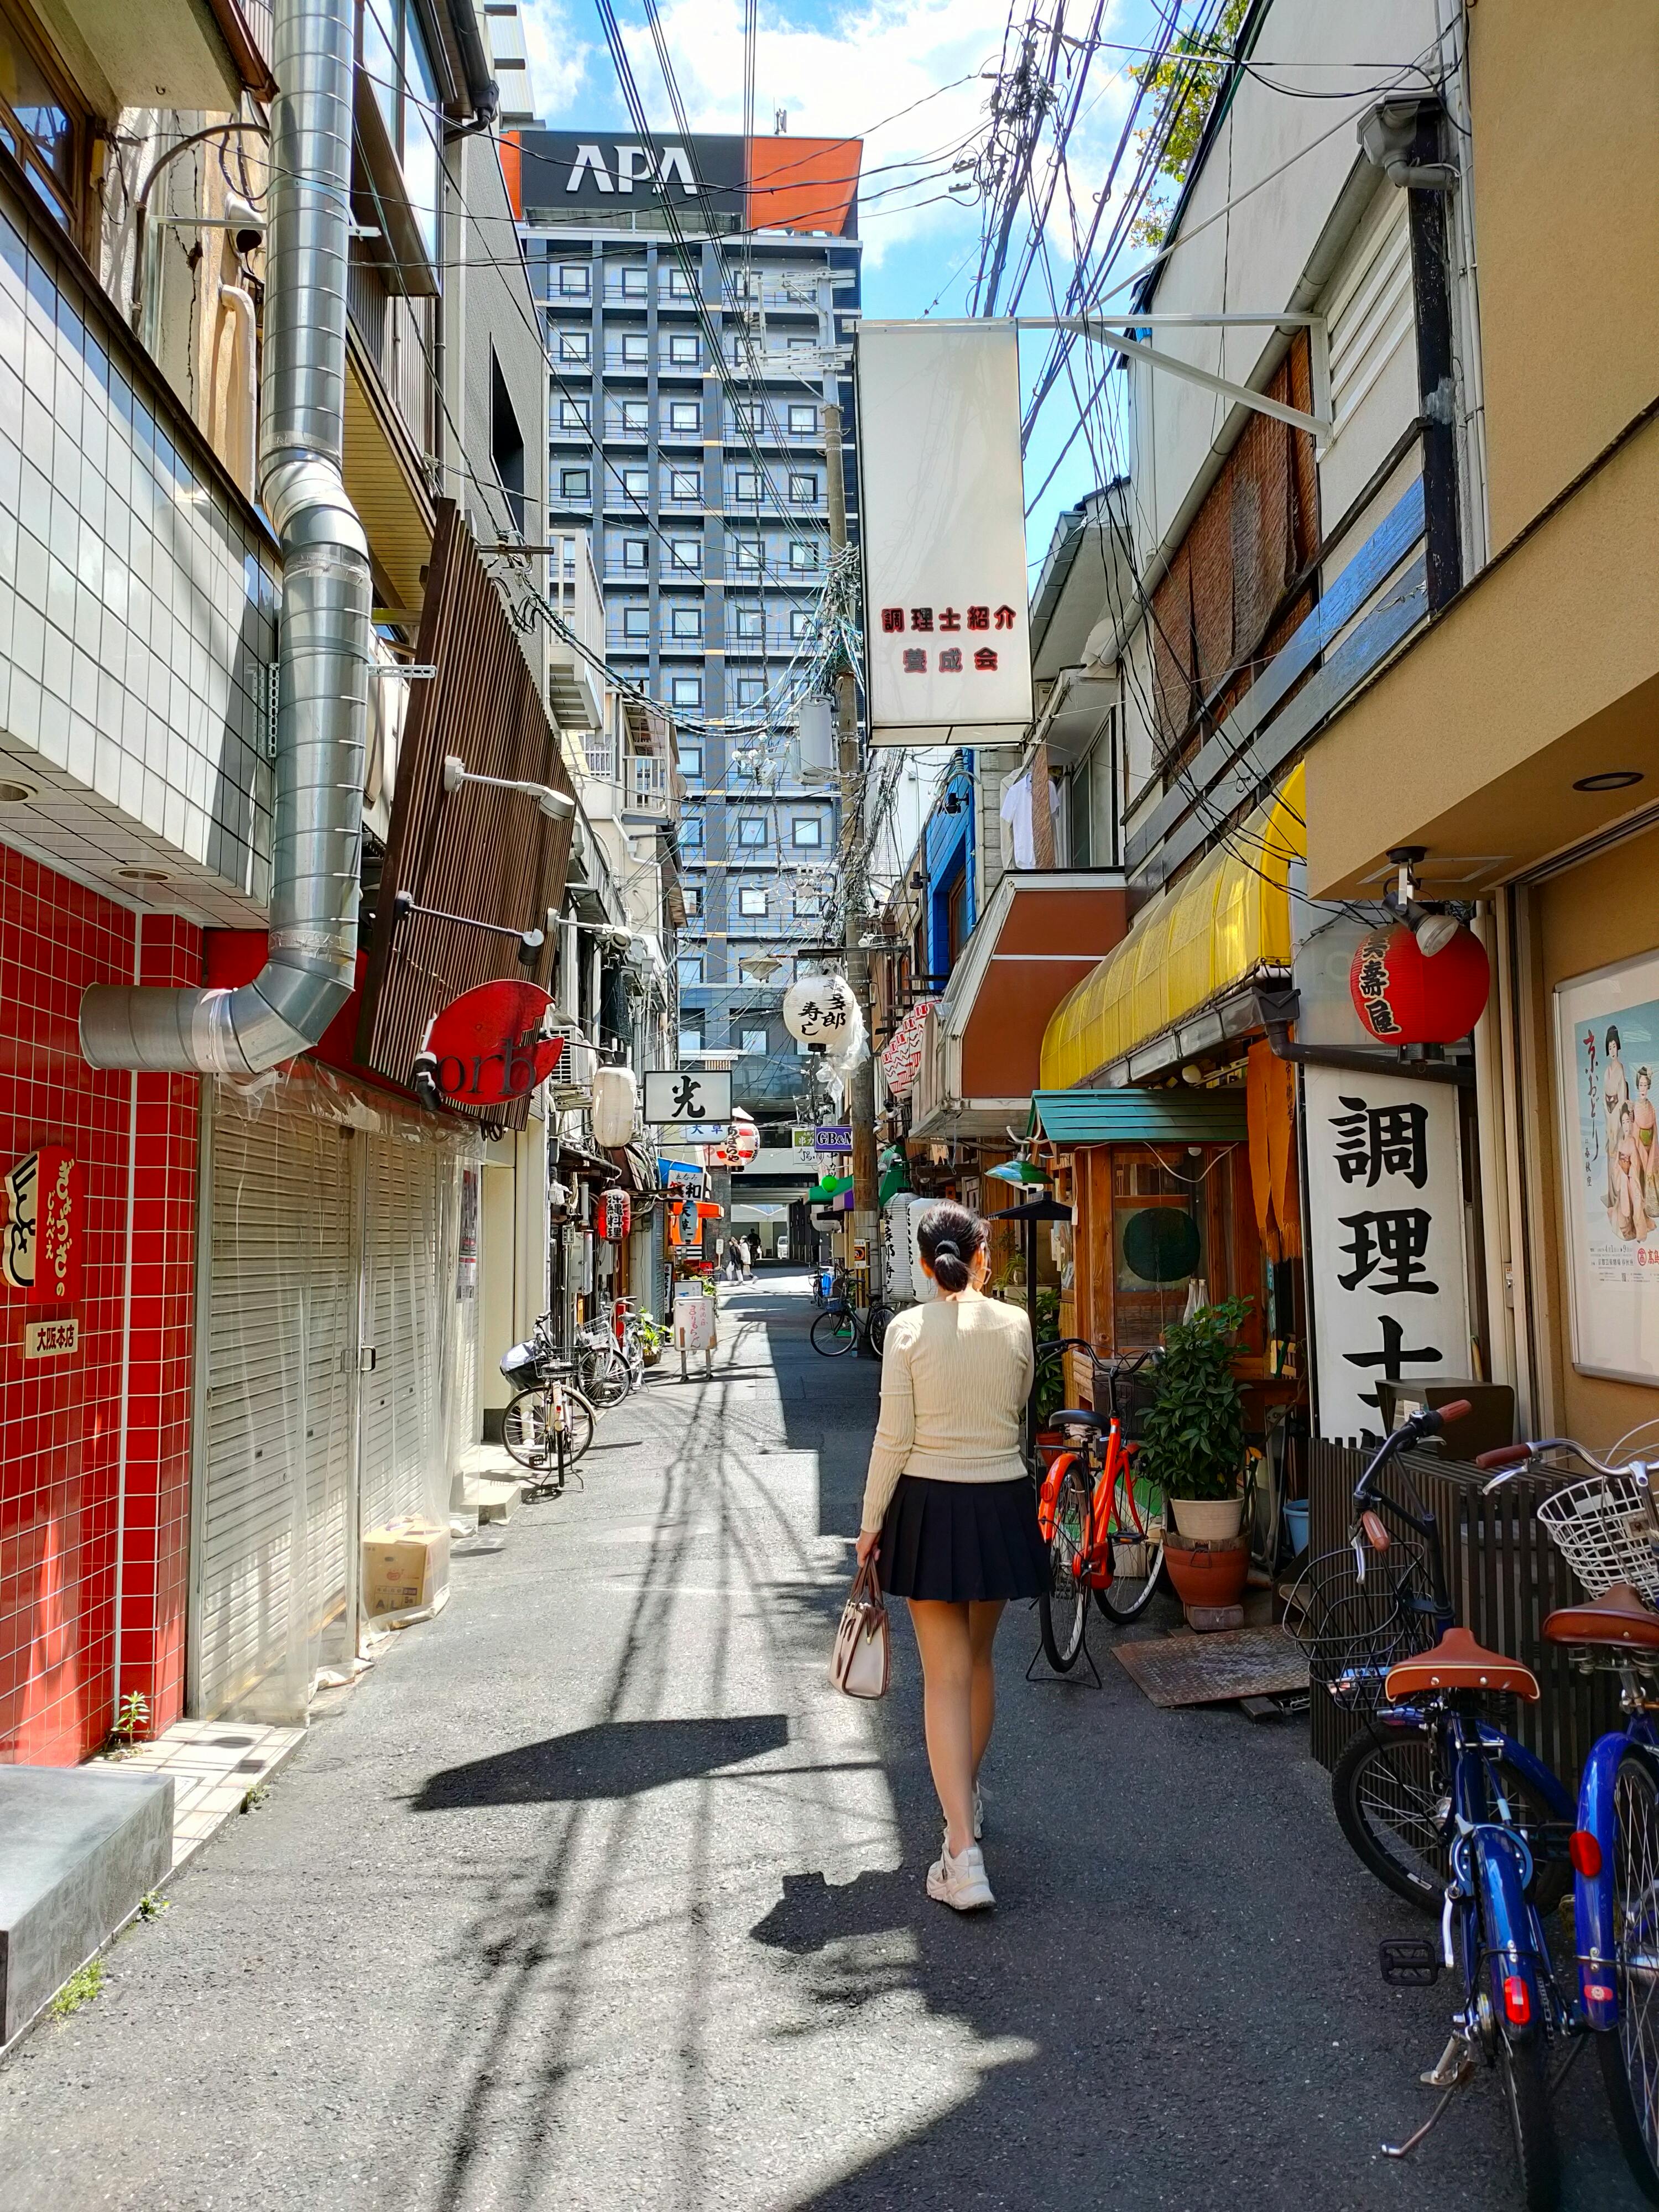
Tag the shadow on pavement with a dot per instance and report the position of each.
(616, 1759)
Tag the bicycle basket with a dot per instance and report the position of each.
(1128, 1389)
(1350, 1631)
(1601, 1529)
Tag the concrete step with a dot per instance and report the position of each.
(79, 1847)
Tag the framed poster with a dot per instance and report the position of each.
(1385, 1219)
(1607, 1069)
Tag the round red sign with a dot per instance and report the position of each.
(1405, 996)
(488, 1045)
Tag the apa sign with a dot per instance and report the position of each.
(40, 1242)
(490, 1045)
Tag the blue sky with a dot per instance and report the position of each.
(907, 76)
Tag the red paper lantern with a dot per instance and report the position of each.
(616, 1216)
(1404, 996)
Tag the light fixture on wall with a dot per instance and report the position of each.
(1609, 779)
(555, 805)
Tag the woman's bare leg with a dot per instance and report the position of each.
(983, 1621)
(947, 1670)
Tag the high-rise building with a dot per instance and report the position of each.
(697, 295)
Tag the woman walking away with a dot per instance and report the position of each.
(950, 1514)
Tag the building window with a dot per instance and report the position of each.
(685, 622)
(573, 414)
(636, 622)
(636, 418)
(575, 277)
(802, 421)
(636, 553)
(574, 345)
(691, 770)
(690, 1042)
(809, 903)
(575, 483)
(801, 622)
(685, 553)
(683, 349)
(746, 485)
(753, 1044)
(746, 555)
(751, 829)
(685, 691)
(685, 483)
(803, 491)
(636, 483)
(752, 900)
(45, 130)
(752, 689)
(636, 348)
(677, 283)
(395, 62)
(691, 833)
(689, 967)
(683, 417)
(748, 622)
(633, 280)
(806, 831)
(803, 552)
(692, 894)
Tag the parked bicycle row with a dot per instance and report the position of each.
(549, 1425)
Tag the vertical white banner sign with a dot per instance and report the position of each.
(942, 516)
(1385, 1212)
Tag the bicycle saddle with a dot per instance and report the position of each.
(1458, 1663)
(1077, 1417)
(1618, 1616)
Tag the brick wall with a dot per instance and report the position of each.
(63, 1539)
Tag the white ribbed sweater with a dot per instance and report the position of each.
(955, 1375)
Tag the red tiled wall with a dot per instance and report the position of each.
(60, 1420)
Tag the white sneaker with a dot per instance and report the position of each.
(960, 1882)
(979, 1817)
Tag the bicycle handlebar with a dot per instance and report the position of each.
(1514, 1459)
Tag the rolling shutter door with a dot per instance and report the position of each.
(402, 1405)
(272, 1559)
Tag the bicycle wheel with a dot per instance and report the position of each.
(1523, 2069)
(1135, 1534)
(833, 1333)
(876, 1323)
(526, 1428)
(578, 1421)
(1630, 2053)
(604, 1377)
(1391, 1807)
(1063, 1609)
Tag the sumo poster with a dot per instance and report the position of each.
(1606, 1033)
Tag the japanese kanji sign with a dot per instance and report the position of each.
(1385, 1207)
(675, 1095)
(942, 509)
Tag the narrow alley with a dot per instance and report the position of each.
(593, 1894)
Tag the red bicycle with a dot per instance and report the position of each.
(1103, 1524)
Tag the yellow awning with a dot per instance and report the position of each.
(1230, 917)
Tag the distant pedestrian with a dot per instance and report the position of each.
(950, 1512)
(733, 1260)
(750, 1253)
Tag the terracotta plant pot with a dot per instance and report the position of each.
(1208, 1520)
(1208, 1574)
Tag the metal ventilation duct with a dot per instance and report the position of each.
(324, 651)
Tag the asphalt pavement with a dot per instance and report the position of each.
(594, 1894)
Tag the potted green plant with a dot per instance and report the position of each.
(1193, 1437)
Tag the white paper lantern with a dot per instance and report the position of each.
(821, 1010)
(743, 1127)
(616, 1102)
(900, 1283)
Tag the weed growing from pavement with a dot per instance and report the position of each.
(253, 1798)
(152, 1904)
(82, 1987)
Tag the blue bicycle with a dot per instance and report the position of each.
(1607, 1528)
(1433, 1796)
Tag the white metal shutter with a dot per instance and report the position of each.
(272, 1561)
(402, 1400)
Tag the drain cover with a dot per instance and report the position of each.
(1185, 1669)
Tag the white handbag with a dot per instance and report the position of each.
(861, 1661)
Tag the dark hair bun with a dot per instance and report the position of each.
(949, 1238)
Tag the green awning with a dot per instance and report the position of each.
(1128, 1116)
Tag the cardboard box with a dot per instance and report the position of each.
(405, 1567)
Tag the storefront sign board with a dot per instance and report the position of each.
(1607, 1051)
(40, 1240)
(1385, 1210)
(942, 514)
(675, 1097)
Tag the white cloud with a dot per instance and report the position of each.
(869, 64)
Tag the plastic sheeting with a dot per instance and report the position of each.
(339, 1369)
(1230, 917)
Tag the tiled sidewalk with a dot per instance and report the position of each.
(214, 1765)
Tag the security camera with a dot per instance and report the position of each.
(245, 223)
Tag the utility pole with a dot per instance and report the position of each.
(861, 1100)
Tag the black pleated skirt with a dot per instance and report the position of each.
(962, 1542)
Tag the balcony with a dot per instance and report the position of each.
(575, 688)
